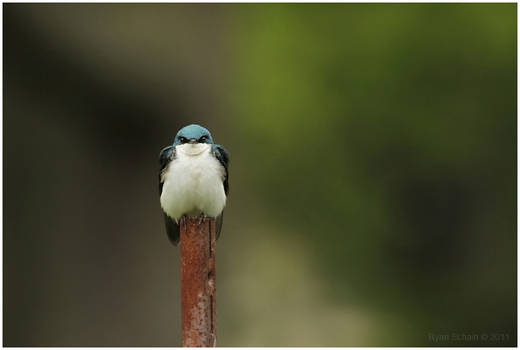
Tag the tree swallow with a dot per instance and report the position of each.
(193, 179)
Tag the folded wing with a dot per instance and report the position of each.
(172, 228)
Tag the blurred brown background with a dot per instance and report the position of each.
(373, 171)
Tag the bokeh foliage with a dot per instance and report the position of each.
(386, 136)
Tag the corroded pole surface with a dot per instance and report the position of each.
(198, 284)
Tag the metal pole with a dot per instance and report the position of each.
(198, 283)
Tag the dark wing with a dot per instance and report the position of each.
(223, 157)
(218, 224)
(172, 228)
(164, 159)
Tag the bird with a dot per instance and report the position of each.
(193, 179)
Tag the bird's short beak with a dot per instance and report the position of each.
(192, 141)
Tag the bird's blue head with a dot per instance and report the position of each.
(193, 134)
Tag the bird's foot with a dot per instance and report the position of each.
(183, 219)
(201, 218)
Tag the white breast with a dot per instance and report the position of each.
(193, 183)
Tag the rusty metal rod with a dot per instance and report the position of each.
(198, 282)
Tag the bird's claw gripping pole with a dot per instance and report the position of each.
(198, 283)
(201, 218)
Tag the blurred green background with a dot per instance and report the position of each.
(373, 171)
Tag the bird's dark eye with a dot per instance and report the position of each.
(182, 139)
(203, 138)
